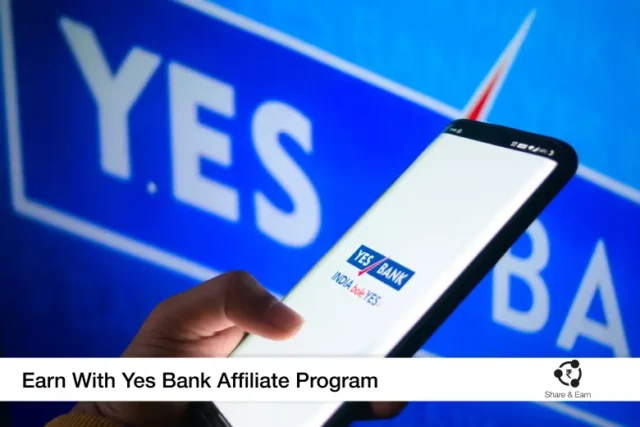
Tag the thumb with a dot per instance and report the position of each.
(231, 299)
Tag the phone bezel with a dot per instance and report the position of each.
(567, 164)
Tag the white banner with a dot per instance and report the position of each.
(320, 379)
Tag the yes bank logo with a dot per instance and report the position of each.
(380, 267)
(376, 265)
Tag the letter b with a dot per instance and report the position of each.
(527, 269)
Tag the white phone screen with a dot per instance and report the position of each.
(390, 268)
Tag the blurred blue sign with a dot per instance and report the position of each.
(218, 135)
(200, 141)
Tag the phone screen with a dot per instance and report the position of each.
(390, 268)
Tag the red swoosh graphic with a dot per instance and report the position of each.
(480, 110)
(371, 267)
(481, 103)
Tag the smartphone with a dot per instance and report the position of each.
(412, 258)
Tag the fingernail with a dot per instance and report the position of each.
(283, 317)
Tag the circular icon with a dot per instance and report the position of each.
(569, 373)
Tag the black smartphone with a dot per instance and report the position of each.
(412, 258)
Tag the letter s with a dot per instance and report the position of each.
(300, 227)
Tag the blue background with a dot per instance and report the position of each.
(61, 295)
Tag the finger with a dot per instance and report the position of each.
(223, 342)
(363, 411)
(385, 410)
(231, 299)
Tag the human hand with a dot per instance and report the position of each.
(207, 321)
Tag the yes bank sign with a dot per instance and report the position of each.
(190, 142)
(195, 139)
